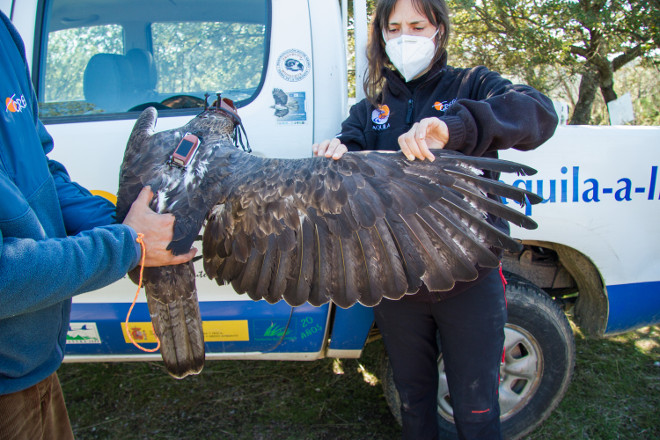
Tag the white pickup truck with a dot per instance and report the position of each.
(97, 63)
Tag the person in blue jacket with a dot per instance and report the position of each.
(56, 241)
(417, 102)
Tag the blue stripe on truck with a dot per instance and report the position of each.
(632, 306)
(253, 326)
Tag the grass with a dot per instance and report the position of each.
(324, 399)
(615, 394)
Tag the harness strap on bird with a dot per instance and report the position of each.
(130, 335)
(227, 105)
(238, 138)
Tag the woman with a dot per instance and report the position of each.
(416, 102)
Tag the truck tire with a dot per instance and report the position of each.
(538, 366)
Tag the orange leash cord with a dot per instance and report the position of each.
(130, 336)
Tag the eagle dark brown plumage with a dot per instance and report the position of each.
(367, 226)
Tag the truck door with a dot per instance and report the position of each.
(97, 64)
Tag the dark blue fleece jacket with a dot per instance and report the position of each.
(56, 239)
(484, 113)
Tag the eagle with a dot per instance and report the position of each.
(368, 226)
(282, 105)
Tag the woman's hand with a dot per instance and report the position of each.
(422, 137)
(157, 229)
(329, 148)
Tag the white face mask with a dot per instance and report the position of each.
(410, 54)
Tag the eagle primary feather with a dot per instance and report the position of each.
(371, 225)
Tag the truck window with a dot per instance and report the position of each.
(101, 57)
(68, 52)
(229, 58)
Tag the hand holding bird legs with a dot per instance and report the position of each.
(157, 230)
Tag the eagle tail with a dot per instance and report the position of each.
(174, 310)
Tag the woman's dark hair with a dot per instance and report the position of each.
(436, 12)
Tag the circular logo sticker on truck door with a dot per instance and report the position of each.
(293, 65)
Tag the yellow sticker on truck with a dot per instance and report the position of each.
(214, 331)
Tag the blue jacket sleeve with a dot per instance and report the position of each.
(78, 264)
(40, 271)
(80, 209)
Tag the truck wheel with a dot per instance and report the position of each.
(539, 360)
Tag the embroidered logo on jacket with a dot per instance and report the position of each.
(379, 117)
(15, 105)
(444, 105)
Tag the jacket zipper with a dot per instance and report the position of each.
(409, 114)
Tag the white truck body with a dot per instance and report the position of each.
(602, 199)
(595, 247)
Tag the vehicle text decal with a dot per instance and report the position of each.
(576, 189)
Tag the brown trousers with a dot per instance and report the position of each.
(35, 413)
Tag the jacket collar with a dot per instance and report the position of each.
(396, 85)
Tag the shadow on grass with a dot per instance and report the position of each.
(615, 394)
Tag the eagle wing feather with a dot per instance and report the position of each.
(348, 216)
(372, 225)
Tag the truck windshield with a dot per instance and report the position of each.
(117, 56)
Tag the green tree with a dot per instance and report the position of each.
(546, 42)
(68, 52)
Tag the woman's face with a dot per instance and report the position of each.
(405, 20)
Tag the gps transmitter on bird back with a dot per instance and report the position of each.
(185, 150)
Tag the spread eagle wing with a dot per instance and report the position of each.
(367, 226)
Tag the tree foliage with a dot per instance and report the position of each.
(550, 42)
(68, 52)
(209, 56)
